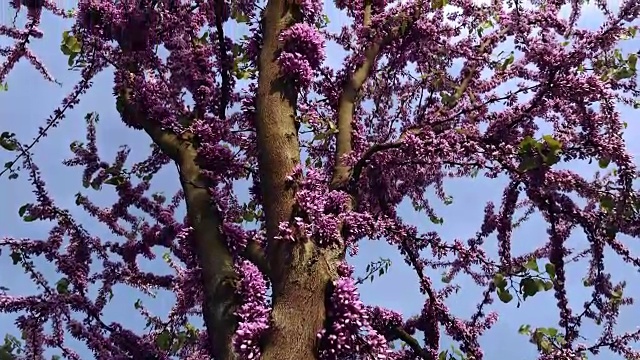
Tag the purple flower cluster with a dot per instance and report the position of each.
(325, 213)
(349, 331)
(384, 321)
(302, 53)
(311, 9)
(253, 314)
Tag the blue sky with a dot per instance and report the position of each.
(30, 100)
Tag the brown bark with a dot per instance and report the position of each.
(277, 137)
(218, 274)
(346, 106)
(299, 304)
(300, 271)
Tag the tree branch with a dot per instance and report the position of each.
(460, 91)
(218, 274)
(412, 343)
(350, 90)
(254, 253)
(225, 67)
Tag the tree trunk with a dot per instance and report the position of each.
(300, 272)
(299, 304)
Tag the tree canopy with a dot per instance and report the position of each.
(428, 91)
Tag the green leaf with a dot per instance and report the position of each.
(632, 60)
(508, 61)
(532, 265)
(607, 203)
(527, 144)
(320, 136)
(499, 281)
(62, 286)
(9, 144)
(604, 162)
(29, 218)
(137, 304)
(529, 287)
(554, 145)
(436, 220)
(6, 354)
(545, 345)
(623, 73)
(487, 24)
(551, 159)
(72, 60)
(115, 180)
(438, 4)
(96, 185)
(16, 257)
(163, 341)
(504, 295)
(23, 209)
(443, 355)
(551, 332)
(551, 270)
(447, 99)
(239, 16)
(248, 216)
(548, 285)
(13, 176)
(617, 294)
(524, 329)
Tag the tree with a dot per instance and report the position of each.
(330, 155)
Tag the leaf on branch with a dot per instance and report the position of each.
(8, 141)
(504, 296)
(62, 286)
(499, 281)
(508, 61)
(23, 209)
(438, 4)
(604, 162)
(164, 340)
(115, 180)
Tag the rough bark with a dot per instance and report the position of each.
(346, 106)
(300, 271)
(218, 274)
